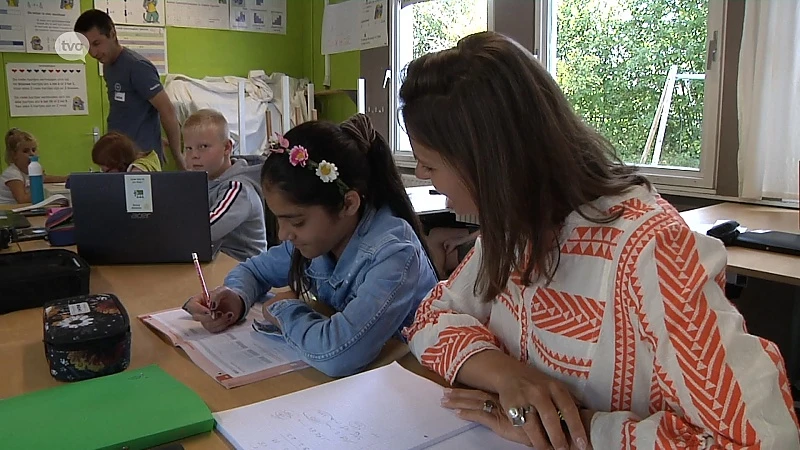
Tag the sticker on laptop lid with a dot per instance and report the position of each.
(138, 194)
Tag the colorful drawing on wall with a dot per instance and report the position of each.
(134, 12)
(36, 43)
(67, 4)
(151, 11)
(78, 104)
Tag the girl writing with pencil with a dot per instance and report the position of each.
(350, 238)
(586, 297)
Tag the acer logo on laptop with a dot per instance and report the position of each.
(140, 215)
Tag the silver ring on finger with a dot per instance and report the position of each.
(517, 415)
(488, 406)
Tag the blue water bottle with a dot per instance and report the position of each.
(36, 176)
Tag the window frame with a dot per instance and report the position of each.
(703, 180)
(405, 158)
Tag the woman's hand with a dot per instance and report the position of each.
(543, 397)
(224, 308)
(483, 408)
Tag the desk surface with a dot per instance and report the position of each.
(756, 263)
(143, 289)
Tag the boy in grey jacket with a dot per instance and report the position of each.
(237, 209)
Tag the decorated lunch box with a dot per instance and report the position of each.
(86, 337)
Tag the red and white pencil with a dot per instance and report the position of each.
(206, 297)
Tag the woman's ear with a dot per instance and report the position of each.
(352, 203)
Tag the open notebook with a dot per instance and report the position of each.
(388, 408)
(240, 355)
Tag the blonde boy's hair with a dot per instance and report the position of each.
(208, 118)
(14, 137)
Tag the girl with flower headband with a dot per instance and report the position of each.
(350, 238)
(588, 313)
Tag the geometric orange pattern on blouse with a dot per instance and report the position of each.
(636, 323)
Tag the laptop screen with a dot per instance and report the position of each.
(141, 217)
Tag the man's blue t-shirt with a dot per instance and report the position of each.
(132, 81)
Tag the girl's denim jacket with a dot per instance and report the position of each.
(375, 287)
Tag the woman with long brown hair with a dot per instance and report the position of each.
(588, 314)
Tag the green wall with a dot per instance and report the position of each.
(345, 71)
(65, 141)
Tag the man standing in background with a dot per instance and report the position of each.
(139, 107)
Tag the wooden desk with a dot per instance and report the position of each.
(756, 263)
(143, 289)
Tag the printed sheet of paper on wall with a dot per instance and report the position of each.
(236, 357)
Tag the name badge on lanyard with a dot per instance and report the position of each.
(119, 96)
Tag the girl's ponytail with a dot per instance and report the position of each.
(385, 186)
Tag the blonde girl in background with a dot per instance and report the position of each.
(14, 182)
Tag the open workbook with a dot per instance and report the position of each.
(388, 408)
(53, 200)
(240, 355)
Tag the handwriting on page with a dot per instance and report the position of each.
(387, 408)
(314, 429)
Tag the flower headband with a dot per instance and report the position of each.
(298, 156)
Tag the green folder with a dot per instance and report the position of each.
(134, 409)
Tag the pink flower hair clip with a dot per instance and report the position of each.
(298, 156)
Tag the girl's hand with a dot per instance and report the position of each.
(543, 397)
(223, 310)
(282, 295)
(484, 408)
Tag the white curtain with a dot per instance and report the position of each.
(769, 100)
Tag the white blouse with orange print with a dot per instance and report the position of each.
(636, 323)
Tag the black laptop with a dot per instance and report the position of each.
(771, 241)
(141, 217)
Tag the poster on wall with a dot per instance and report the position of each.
(373, 29)
(46, 20)
(354, 25)
(46, 89)
(263, 16)
(149, 42)
(134, 12)
(338, 22)
(198, 14)
(12, 27)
